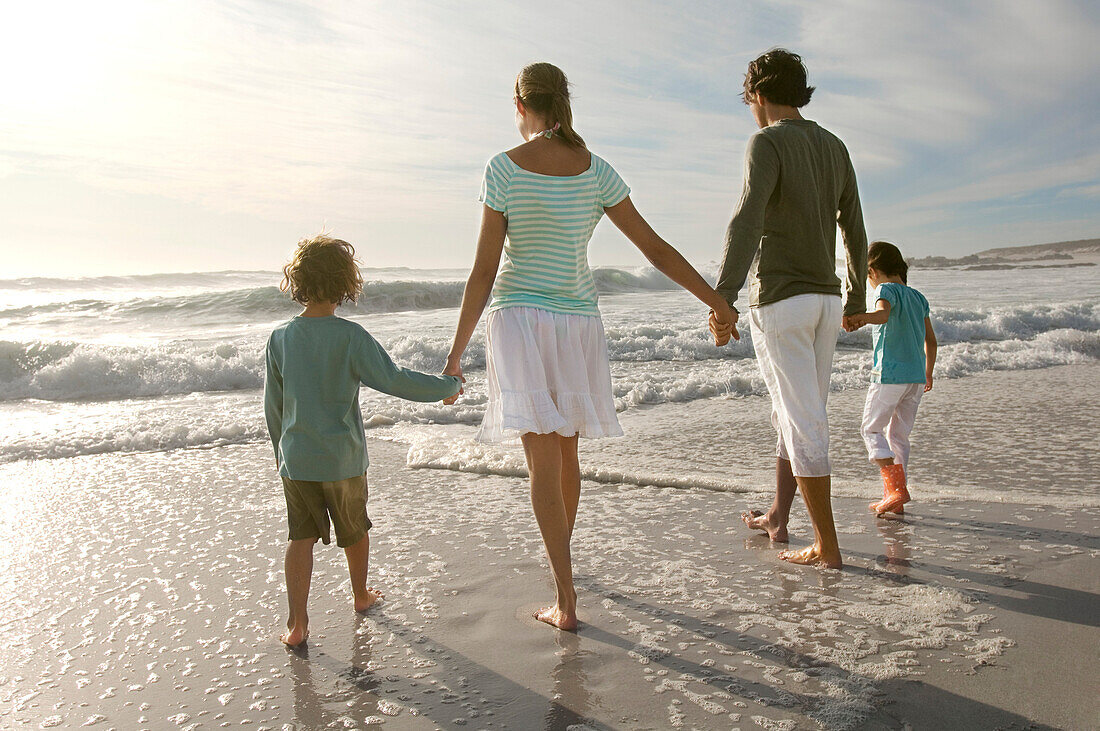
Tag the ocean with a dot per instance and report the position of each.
(168, 361)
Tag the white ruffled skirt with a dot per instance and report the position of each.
(547, 372)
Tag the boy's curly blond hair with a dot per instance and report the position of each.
(323, 269)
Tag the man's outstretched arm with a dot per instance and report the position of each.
(747, 225)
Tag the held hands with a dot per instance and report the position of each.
(928, 383)
(723, 324)
(453, 368)
(851, 323)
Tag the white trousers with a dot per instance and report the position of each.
(794, 341)
(888, 418)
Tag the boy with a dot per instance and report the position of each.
(315, 365)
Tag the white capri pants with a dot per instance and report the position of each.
(794, 340)
(888, 418)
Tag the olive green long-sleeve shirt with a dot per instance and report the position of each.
(799, 184)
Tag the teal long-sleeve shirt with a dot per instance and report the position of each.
(315, 366)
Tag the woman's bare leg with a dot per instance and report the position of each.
(544, 461)
(570, 479)
(570, 484)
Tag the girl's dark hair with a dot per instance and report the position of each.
(323, 270)
(543, 88)
(779, 76)
(887, 258)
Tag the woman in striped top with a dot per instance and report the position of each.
(549, 381)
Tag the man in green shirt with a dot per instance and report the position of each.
(799, 184)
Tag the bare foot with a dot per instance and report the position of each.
(557, 618)
(756, 520)
(812, 556)
(295, 637)
(368, 599)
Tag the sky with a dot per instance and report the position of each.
(193, 135)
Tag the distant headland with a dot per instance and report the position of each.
(1061, 254)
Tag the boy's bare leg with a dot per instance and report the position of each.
(298, 566)
(774, 522)
(825, 551)
(358, 555)
(544, 463)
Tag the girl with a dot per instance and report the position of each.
(549, 381)
(904, 356)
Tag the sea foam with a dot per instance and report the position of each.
(657, 362)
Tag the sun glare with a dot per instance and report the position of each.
(59, 55)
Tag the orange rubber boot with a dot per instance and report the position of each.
(893, 484)
(873, 507)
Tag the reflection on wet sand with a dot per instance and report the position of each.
(571, 684)
(308, 709)
(327, 692)
(896, 534)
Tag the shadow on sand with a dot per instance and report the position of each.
(960, 710)
(354, 689)
(459, 688)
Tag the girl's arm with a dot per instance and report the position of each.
(672, 264)
(930, 346)
(878, 317)
(490, 244)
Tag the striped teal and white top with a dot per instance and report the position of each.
(550, 221)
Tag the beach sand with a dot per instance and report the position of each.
(146, 590)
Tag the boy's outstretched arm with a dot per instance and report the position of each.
(930, 347)
(273, 399)
(376, 369)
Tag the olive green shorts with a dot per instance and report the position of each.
(310, 505)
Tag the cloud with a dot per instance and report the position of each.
(380, 116)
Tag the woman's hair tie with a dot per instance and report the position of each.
(547, 133)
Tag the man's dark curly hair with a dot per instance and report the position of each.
(780, 77)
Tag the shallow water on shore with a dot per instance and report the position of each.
(687, 620)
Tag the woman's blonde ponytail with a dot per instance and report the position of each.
(543, 88)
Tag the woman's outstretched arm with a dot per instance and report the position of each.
(672, 264)
(490, 244)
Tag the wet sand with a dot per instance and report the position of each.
(145, 591)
